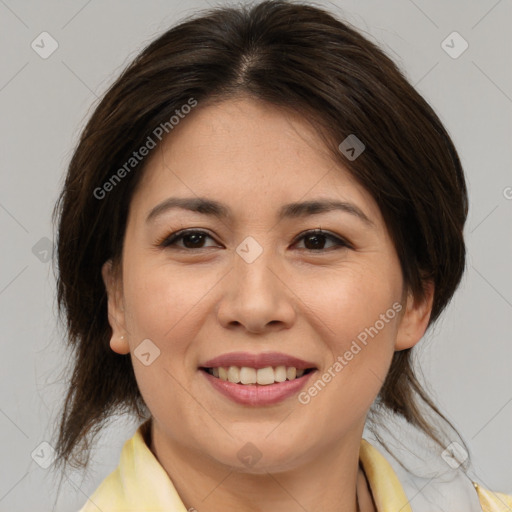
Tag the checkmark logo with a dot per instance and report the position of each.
(454, 45)
(352, 147)
(146, 352)
(249, 454)
(454, 455)
(44, 45)
(249, 249)
(43, 455)
(43, 250)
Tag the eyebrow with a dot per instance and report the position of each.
(288, 211)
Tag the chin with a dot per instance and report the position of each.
(258, 454)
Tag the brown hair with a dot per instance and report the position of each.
(294, 56)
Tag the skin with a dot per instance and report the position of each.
(198, 303)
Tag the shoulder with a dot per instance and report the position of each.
(139, 483)
(493, 501)
(391, 482)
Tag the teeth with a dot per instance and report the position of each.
(247, 375)
(291, 373)
(279, 374)
(265, 376)
(234, 374)
(261, 376)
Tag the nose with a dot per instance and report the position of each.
(256, 296)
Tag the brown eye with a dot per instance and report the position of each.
(192, 239)
(315, 240)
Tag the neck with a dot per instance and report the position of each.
(330, 480)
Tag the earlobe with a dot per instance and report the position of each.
(118, 342)
(120, 345)
(415, 319)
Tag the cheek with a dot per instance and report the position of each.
(357, 313)
(163, 306)
(167, 305)
(162, 301)
(352, 298)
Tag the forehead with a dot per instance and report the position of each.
(249, 154)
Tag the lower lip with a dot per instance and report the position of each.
(256, 394)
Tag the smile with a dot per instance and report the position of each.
(263, 376)
(260, 387)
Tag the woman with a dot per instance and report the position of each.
(260, 221)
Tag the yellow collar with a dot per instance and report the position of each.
(386, 489)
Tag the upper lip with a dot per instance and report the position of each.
(257, 360)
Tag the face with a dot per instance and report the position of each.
(254, 276)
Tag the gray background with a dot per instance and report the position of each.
(44, 103)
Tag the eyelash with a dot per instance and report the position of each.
(171, 240)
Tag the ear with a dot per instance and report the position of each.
(116, 319)
(415, 319)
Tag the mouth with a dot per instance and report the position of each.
(263, 379)
(266, 376)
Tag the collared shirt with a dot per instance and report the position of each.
(140, 484)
